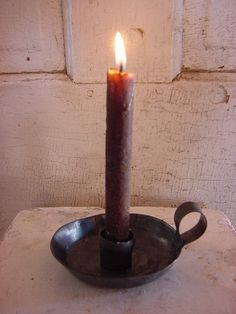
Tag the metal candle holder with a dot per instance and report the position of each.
(153, 245)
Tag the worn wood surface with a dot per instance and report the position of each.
(52, 149)
(152, 32)
(210, 35)
(31, 36)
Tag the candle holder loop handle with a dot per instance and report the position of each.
(195, 232)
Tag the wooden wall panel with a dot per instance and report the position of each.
(31, 36)
(52, 152)
(152, 32)
(210, 35)
(52, 130)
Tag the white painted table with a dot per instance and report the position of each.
(202, 280)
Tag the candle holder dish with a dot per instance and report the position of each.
(157, 245)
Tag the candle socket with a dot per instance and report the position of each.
(116, 255)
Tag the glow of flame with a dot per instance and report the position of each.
(120, 51)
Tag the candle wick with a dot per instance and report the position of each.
(121, 67)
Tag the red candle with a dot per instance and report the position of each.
(120, 88)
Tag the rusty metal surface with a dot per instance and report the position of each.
(157, 245)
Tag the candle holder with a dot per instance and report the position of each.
(153, 245)
(116, 255)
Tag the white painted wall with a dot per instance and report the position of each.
(152, 31)
(31, 36)
(210, 35)
(52, 129)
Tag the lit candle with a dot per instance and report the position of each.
(120, 88)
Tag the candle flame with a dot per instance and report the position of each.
(120, 52)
